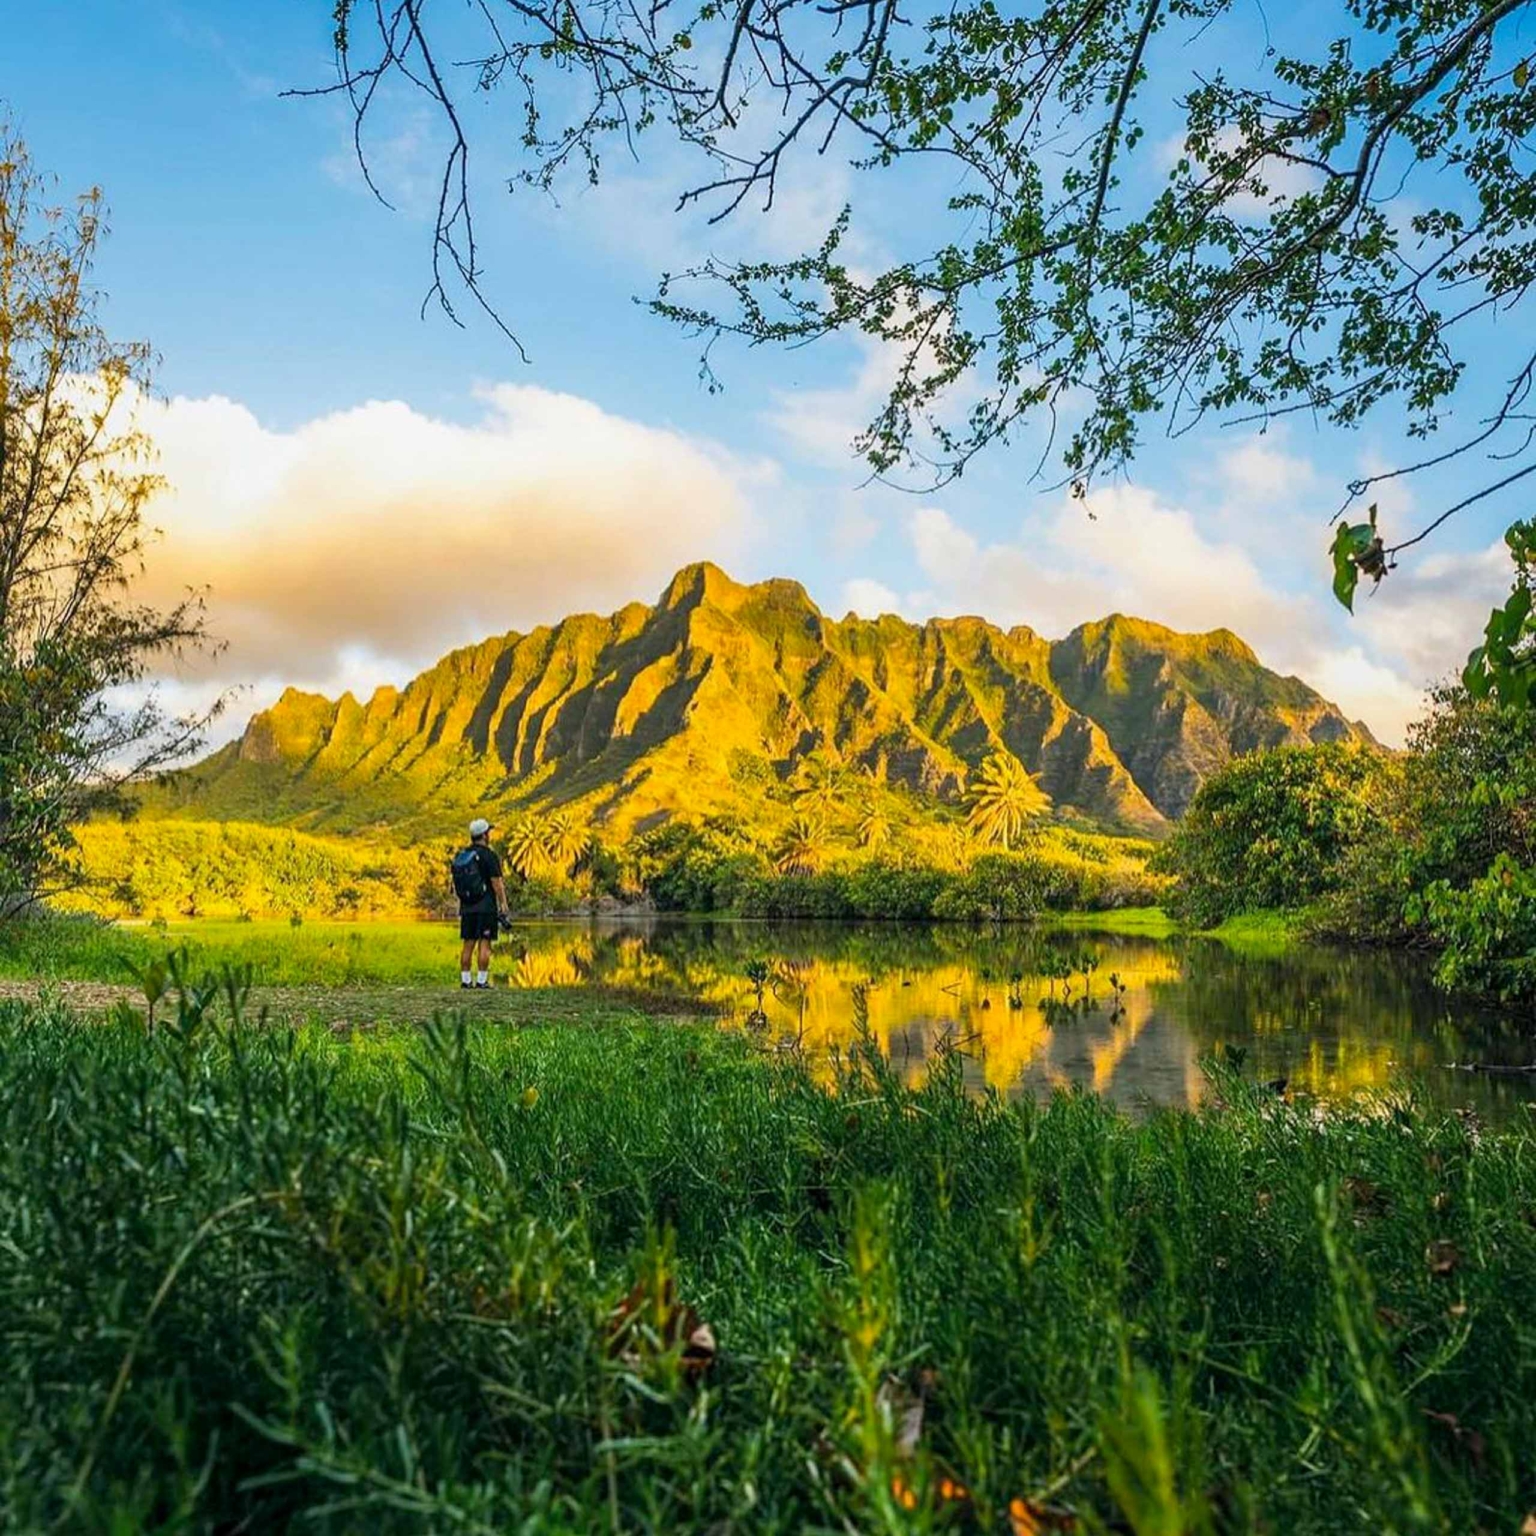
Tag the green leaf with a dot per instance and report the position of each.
(1517, 610)
(1474, 676)
(1522, 74)
(1348, 542)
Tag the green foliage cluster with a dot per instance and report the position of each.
(693, 869)
(439, 1280)
(1002, 887)
(1503, 667)
(1456, 849)
(1269, 830)
(168, 869)
(1434, 847)
(1488, 929)
(171, 869)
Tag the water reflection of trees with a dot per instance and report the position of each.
(1332, 1022)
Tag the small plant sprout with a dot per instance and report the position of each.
(758, 974)
(154, 979)
(1087, 963)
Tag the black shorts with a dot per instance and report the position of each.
(477, 925)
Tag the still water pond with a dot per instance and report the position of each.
(1134, 1026)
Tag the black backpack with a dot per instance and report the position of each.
(469, 877)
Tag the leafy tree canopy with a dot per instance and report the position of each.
(1338, 210)
(1270, 831)
(75, 481)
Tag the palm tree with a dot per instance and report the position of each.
(803, 848)
(527, 847)
(546, 845)
(1005, 801)
(820, 787)
(874, 829)
(564, 841)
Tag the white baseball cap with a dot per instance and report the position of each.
(479, 827)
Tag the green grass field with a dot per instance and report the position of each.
(455, 1280)
(317, 954)
(1145, 922)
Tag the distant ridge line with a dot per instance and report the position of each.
(654, 711)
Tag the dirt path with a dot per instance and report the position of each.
(363, 1005)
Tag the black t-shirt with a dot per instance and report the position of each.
(490, 869)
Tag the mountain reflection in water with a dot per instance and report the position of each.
(1331, 1022)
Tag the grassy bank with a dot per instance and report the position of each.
(424, 1281)
(400, 954)
(1142, 922)
(329, 954)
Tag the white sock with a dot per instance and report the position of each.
(465, 977)
(483, 977)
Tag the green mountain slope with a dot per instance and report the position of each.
(678, 707)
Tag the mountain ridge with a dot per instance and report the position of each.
(678, 707)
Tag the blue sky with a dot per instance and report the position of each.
(362, 487)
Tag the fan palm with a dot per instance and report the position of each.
(803, 848)
(820, 787)
(564, 841)
(1005, 801)
(874, 828)
(527, 847)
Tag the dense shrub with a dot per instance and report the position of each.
(180, 869)
(1488, 930)
(171, 869)
(1004, 887)
(1448, 860)
(1270, 830)
(895, 892)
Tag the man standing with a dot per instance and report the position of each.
(482, 893)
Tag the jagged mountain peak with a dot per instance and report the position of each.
(652, 711)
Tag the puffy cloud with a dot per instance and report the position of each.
(823, 424)
(363, 544)
(1259, 471)
(1127, 553)
(1429, 613)
(1138, 555)
(870, 598)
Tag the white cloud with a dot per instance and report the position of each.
(1429, 613)
(1260, 472)
(362, 545)
(1366, 690)
(1138, 555)
(869, 599)
(823, 423)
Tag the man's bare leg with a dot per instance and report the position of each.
(485, 963)
(466, 959)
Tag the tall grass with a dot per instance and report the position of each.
(435, 1280)
(280, 954)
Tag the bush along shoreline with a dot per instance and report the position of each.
(1432, 848)
(165, 869)
(649, 1279)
